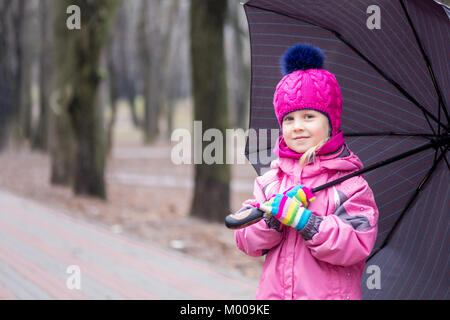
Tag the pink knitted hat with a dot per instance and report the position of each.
(306, 85)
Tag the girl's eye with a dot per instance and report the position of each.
(288, 118)
(309, 116)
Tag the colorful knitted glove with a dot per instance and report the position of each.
(302, 194)
(287, 210)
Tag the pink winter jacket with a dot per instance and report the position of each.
(326, 259)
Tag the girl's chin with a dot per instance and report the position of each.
(299, 149)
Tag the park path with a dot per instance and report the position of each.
(45, 252)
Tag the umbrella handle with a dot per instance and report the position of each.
(242, 219)
(247, 217)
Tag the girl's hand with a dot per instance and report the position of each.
(287, 210)
(302, 194)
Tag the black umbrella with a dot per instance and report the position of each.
(391, 61)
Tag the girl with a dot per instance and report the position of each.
(315, 249)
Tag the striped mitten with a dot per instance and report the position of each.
(302, 194)
(287, 210)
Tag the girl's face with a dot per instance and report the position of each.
(304, 129)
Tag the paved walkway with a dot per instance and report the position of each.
(44, 253)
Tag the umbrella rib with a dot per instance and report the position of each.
(431, 72)
(384, 75)
(410, 202)
(427, 60)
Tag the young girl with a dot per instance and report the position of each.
(315, 249)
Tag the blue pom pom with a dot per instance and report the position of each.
(302, 57)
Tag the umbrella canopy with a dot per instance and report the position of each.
(394, 80)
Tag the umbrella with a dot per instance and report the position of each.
(394, 79)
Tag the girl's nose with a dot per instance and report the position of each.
(298, 124)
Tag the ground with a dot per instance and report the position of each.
(148, 197)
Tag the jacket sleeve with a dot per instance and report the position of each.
(257, 238)
(348, 235)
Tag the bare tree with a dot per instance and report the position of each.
(42, 135)
(212, 182)
(8, 67)
(77, 59)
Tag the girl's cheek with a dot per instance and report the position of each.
(286, 135)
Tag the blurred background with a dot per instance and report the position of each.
(88, 106)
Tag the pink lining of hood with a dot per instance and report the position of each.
(282, 150)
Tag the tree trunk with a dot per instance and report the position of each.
(8, 69)
(61, 139)
(114, 92)
(61, 142)
(22, 105)
(145, 62)
(77, 64)
(212, 182)
(42, 135)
